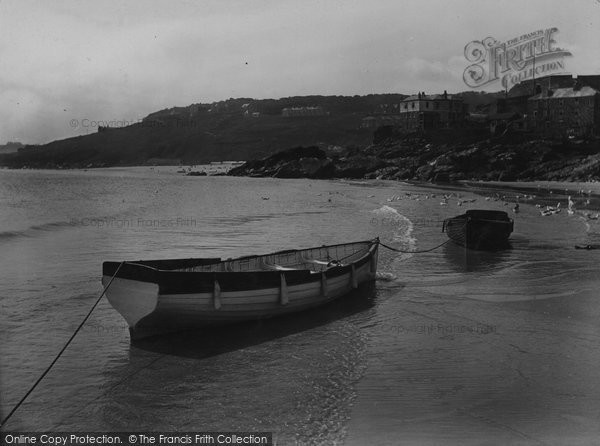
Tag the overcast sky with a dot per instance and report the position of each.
(108, 60)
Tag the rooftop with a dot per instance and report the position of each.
(567, 93)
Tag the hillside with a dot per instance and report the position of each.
(479, 101)
(235, 129)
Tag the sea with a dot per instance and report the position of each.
(449, 346)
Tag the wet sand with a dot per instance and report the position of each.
(572, 188)
(531, 379)
(490, 349)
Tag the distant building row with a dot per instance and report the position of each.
(290, 112)
(565, 112)
(555, 106)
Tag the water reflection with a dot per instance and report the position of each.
(467, 260)
(297, 373)
(213, 341)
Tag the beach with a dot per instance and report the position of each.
(450, 347)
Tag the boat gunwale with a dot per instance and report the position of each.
(472, 219)
(140, 263)
(177, 281)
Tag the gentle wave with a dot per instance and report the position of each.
(243, 219)
(32, 231)
(11, 234)
(386, 277)
(403, 227)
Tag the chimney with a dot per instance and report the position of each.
(445, 94)
(419, 95)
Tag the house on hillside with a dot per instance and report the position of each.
(420, 112)
(517, 97)
(425, 112)
(530, 106)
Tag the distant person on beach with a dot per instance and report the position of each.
(570, 205)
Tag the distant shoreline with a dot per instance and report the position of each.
(545, 188)
(544, 185)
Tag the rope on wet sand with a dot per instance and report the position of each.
(62, 350)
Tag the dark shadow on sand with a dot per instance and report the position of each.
(211, 341)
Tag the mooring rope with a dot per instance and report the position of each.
(414, 252)
(62, 350)
(423, 250)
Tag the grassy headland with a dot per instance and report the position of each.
(236, 129)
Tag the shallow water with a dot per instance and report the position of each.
(451, 346)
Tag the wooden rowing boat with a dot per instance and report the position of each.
(159, 296)
(479, 229)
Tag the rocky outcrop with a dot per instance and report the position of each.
(298, 162)
(357, 166)
(306, 167)
(418, 158)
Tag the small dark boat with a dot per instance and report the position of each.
(479, 229)
(159, 296)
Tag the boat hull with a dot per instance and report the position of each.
(475, 231)
(162, 301)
